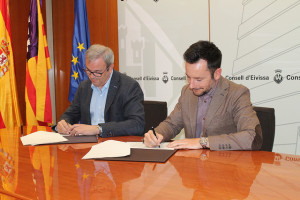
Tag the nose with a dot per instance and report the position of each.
(92, 76)
(192, 84)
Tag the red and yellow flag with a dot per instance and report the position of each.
(9, 105)
(43, 161)
(37, 92)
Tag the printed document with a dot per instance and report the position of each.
(109, 148)
(42, 137)
(141, 145)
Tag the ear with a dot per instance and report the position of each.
(217, 74)
(111, 67)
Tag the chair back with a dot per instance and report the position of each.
(155, 112)
(266, 118)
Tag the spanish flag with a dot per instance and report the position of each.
(37, 92)
(9, 105)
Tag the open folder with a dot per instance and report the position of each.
(144, 155)
(129, 151)
(44, 137)
(80, 139)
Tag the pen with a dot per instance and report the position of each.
(22, 129)
(155, 135)
(154, 132)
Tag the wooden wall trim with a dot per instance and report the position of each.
(103, 27)
(112, 29)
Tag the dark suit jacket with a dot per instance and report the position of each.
(124, 110)
(230, 122)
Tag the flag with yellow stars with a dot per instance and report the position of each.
(81, 42)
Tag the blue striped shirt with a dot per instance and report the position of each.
(98, 101)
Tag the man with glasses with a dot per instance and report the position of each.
(108, 103)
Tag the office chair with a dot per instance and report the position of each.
(266, 118)
(155, 112)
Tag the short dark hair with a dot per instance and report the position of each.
(207, 51)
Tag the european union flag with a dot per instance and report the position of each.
(81, 42)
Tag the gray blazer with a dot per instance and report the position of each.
(230, 122)
(124, 110)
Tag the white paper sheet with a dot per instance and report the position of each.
(141, 145)
(42, 137)
(109, 148)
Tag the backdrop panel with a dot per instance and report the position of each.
(153, 36)
(260, 42)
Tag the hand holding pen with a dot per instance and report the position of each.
(155, 134)
(152, 139)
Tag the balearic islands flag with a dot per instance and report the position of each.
(81, 42)
(37, 92)
(9, 106)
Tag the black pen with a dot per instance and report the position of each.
(155, 134)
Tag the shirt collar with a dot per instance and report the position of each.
(210, 94)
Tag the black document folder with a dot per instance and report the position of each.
(80, 139)
(145, 155)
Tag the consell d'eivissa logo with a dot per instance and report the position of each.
(247, 77)
(278, 77)
(165, 78)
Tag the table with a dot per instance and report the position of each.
(58, 172)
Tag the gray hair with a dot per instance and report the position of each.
(99, 51)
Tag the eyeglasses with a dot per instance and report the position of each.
(95, 73)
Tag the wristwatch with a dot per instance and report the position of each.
(203, 142)
(100, 130)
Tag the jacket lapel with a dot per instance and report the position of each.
(112, 90)
(217, 100)
(89, 98)
(193, 104)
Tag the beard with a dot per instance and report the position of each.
(206, 90)
(203, 93)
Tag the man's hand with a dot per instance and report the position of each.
(83, 129)
(63, 127)
(151, 141)
(193, 143)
